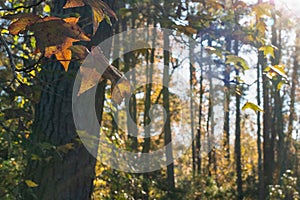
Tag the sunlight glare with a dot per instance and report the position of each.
(292, 6)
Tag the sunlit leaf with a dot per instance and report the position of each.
(30, 183)
(47, 8)
(64, 57)
(280, 84)
(279, 69)
(252, 106)
(59, 47)
(268, 50)
(98, 16)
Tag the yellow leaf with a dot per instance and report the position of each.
(98, 16)
(280, 84)
(47, 8)
(100, 10)
(30, 183)
(250, 105)
(268, 50)
(279, 69)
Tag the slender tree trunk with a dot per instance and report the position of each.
(260, 172)
(267, 151)
(209, 125)
(147, 120)
(294, 83)
(166, 105)
(237, 145)
(226, 127)
(130, 61)
(192, 81)
(198, 137)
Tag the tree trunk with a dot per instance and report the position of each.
(192, 82)
(237, 145)
(260, 172)
(226, 127)
(166, 104)
(61, 165)
(199, 131)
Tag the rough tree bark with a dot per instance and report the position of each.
(66, 174)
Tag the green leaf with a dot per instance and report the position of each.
(253, 106)
(237, 61)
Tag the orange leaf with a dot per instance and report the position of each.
(73, 3)
(54, 34)
(64, 57)
(57, 48)
(73, 30)
(62, 52)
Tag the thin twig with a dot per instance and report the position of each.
(10, 55)
(24, 7)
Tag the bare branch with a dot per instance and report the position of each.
(10, 55)
(22, 7)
